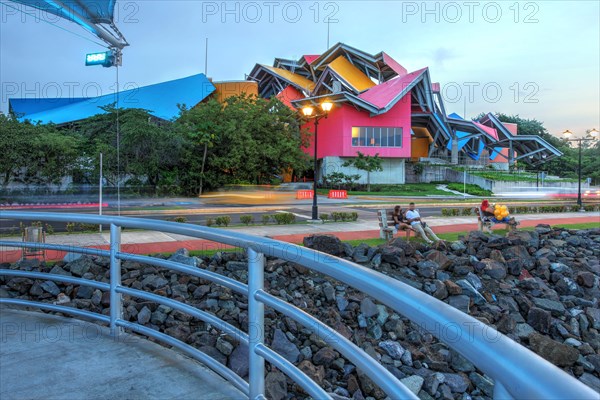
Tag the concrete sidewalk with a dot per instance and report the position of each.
(144, 242)
(45, 356)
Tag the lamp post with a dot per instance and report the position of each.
(592, 135)
(309, 112)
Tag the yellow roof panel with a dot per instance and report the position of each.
(354, 76)
(296, 79)
(422, 133)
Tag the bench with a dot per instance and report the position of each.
(387, 226)
(482, 222)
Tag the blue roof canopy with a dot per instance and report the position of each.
(26, 106)
(160, 100)
(461, 142)
(96, 11)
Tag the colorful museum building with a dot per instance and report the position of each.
(382, 108)
(379, 107)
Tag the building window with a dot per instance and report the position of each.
(372, 136)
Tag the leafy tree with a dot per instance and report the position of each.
(244, 140)
(366, 163)
(199, 126)
(16, 141)
(150, 149)
(35, 153)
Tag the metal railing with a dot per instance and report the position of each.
(517, 372)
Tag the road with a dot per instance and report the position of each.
(200, 216)
(196, 213)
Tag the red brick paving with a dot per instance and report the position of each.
(201, 244)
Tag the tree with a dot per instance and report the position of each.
(35, 154)
(366, 163)
(16, 141)
(150, 149)
(199, 126)
(245, 140)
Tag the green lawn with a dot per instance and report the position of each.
(412, 189)
(453, 236)
(514, 177)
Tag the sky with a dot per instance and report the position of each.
(537, 59)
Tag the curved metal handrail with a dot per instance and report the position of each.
(517, 371)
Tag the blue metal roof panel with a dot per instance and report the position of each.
(23, 107)
(98, 11)
(160, 99)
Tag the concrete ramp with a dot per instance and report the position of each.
(44, 356)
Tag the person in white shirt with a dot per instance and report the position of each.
(414, 219)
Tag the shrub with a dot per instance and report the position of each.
(521, 210)
(70, 227)
(291, 218)
(284, 218)
(181, 219)
(590, 207)
(87, 227)
(353, 216)
(224, 220)
(247, 219)
(466, 211)
(49, 229)
(336, 216)
(265, 218)
(455, 212)
(210, 222)
(324, 217)
(445, 212)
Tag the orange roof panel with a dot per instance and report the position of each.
(293, 78)
(352, 75)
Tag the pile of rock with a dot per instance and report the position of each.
(541, 288)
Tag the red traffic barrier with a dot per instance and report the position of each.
(337, 194)
(304, 194)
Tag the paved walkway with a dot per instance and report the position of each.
(45, 356)
(145, 242)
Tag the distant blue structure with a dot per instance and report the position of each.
(160, 99)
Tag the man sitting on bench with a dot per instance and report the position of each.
(414, 219)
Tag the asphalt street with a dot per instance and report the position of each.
(200, 216)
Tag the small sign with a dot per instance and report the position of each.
(105, 59)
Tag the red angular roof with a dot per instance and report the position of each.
(384, 93)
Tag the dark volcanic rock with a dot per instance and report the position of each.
(557, 353)
(494, 268)
(276, 386)
(283, 346)
(539, 319)
(329, 244)
(393, 255)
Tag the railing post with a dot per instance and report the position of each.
(116, 306)
(256, 317)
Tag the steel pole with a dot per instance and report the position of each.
(579, 202)
(256, 327)
(315, 208)
(100, 192)
(116, 302)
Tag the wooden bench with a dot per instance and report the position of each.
(387, 225)
(481, 223)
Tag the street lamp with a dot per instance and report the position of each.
(309, 112)
(592, 135)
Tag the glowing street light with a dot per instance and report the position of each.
(309, 112)
(592, 135)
